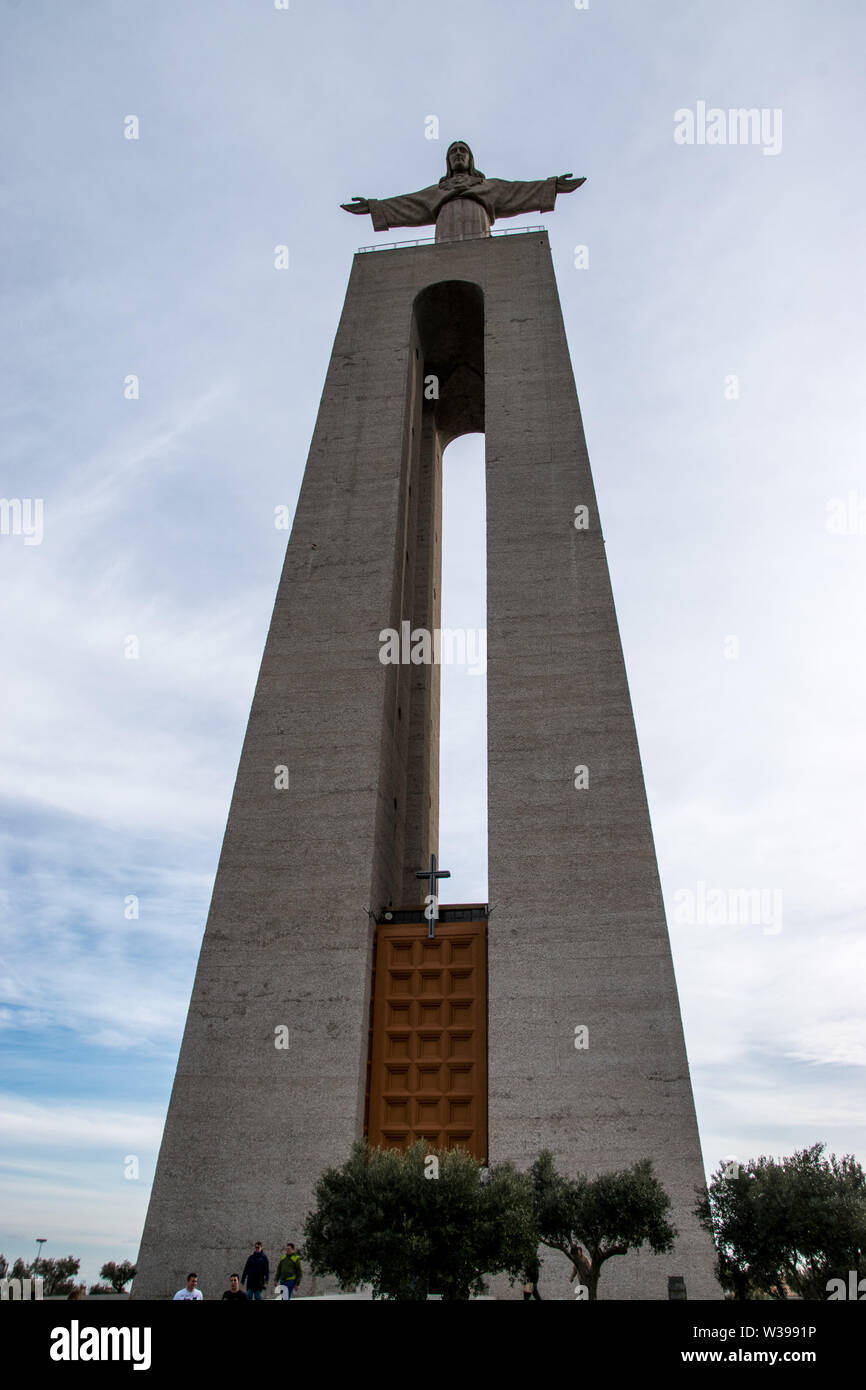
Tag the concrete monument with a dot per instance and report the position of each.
(326, 1004)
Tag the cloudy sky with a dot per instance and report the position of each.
(716, 335)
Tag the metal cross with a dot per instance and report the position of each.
(431, 912)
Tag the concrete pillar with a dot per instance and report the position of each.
(578, 935)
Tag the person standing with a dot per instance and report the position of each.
(289, 1270)
(531, 1273)
(190, 1293)
(256, 1272)
(234, 1291)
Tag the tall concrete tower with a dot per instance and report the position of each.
(322, 1007)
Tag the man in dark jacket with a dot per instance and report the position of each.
(256, 1272)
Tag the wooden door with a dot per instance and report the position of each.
(428, 1045)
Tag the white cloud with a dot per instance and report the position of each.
(77, 1126)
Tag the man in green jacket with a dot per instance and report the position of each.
(289, 1271)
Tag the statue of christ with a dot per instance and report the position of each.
(464, 203)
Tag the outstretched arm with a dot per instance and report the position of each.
(513, 197)
(408, 210)
(565, 183)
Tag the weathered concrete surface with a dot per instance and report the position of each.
(579, 934)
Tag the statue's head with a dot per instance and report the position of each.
(459, 160)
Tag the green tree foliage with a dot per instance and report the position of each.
(380, 1220)
(57, 1274)
(118, 1275)
(102, 1289)
(592, 1219)
(19, 1270)
(787, 1225)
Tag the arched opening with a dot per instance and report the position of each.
(447, 403)
(450, 321)
(463, 692)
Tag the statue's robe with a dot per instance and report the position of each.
(493, 197)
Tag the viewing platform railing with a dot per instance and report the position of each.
(431, 240)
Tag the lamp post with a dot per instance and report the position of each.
(40, 1241)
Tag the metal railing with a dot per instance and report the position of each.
(431, 240)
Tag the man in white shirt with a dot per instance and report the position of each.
(190, 1292)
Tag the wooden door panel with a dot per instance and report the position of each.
(428, 1044)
